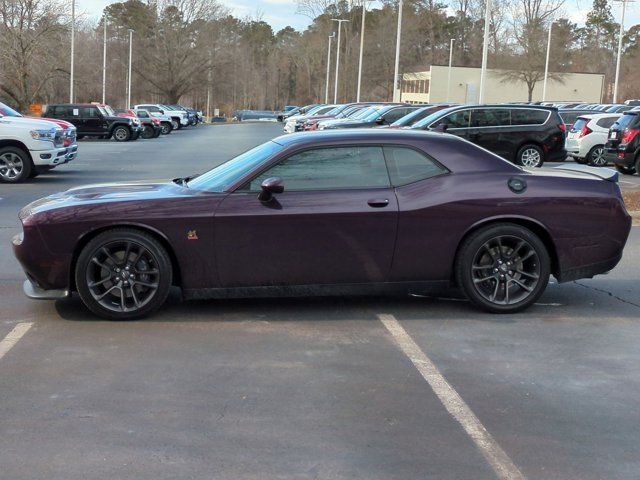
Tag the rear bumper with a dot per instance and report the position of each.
(589, 271)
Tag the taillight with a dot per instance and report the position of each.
(629, 134)
(562, 127)
(585, 131)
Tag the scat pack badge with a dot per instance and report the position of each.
(192, 235)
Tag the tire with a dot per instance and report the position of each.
(530, 156)
(16, 165)
(166, 128)
(176, 124)
(123, 274)
(625, 170)
(148, 132)
(596, 156)
(581, 161)
(503, 268)
(156, 133)
(121, 134)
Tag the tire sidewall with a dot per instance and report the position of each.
(136, 236)
(474, 242)
(591, 154)
(124, 139)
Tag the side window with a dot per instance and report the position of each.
(522, 116)
(329, 168)
(406, 165)
(395, 114)
(606, 122)
(490, 117)
(459, 119)
(90, 112)
(60, 111)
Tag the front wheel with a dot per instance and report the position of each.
(15, 165)
(503, 268)
(148, 132)
(530, 156)
(121, 134)
(165, 128)
(123, 274)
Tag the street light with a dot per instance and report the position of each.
(104, 62)
(449, 73)
(621, 34)
(397, 63)
(326, 89)
(73, 46)
(485, 50)
(364, 10)
(130, 57)
(335, 87)
(546, 64)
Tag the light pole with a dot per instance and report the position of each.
(104, 62)
(546, 64)
(130, 57)
(364, 10)
(326, 89)
(335, 87)
(485, 50)
(73, 47)
(615, 86)
(449, 73)
(396, 69)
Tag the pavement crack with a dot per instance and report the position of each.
(600, 290)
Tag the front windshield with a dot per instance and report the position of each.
(8, 111)
(365, 112)
(334, 111)
(412, 117)
(431, 118)
(316, 108)
(220, 177)
(373, 114)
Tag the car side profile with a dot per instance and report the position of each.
(587, 137)
(525, 135)
(328, 213)
(92, 120)
(623, 145)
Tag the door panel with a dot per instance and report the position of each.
(306, 237)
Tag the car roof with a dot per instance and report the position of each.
(598, 116)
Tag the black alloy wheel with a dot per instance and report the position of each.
(596, 156)
(123, 274)
(503, 268)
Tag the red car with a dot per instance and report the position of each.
(328, 213)
(151, 125)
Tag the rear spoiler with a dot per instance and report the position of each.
(607, 174)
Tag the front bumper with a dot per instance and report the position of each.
(50, 158)
(31, 290)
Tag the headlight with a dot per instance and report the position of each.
(45, 135)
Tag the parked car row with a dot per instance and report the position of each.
(527, 135)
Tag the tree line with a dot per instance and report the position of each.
(184, 50)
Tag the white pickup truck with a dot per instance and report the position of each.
(28, 145)
(179, 118)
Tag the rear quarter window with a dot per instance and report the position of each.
(407, 165)
(520, 116)
(606, 122)
(578, 124)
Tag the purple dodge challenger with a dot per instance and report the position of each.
(347, 212)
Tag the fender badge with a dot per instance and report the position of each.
(192, 235)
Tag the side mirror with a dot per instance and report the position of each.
(270, 186)
(380, 120)
(162, 112)
(442, 128)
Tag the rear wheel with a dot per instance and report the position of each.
(165, 128)
(530, 156)
(148, 132)
(123, 274)
(121, 134)
(625, 170)
(503, 268)
(15, 165)
(596, 156)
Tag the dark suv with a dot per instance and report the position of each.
(95, 120)
(527, 135)
(623, 145)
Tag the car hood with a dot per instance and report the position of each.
(109, 192)
(28, 122)
(61, 123)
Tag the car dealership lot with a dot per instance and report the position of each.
(319, 388)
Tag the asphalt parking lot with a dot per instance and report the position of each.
(359, 388)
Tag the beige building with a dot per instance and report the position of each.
(432, 87)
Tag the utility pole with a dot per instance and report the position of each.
(335, 87)
(621, 34)
(364, 10)
(449, 73)
(130, 58)
(396, 73)
(73, 47)
(546, 64)
(104, 62)
(485, 49)
(326, 89)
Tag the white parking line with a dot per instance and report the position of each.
(13, 337)
(502, 465)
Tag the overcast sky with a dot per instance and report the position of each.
(280, 13)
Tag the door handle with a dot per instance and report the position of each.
(378, 202)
